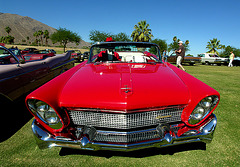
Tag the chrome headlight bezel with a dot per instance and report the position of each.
(203, 108)
(45, 113)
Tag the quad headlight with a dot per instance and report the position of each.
(45, 112)
(203, 108)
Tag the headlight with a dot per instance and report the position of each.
(45, 112)
(203, 108)
(51, 116)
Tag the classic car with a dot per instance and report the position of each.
(212, 58)
(76, 55)
(86, 55)
(236, 61)
(187, 59)
(51, 51)
(19, 76)
(28, 50)
(123, 98)
(38, 55)
(16, 51)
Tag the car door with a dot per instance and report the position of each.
(12, 78)
(210, 59)
(35, 72)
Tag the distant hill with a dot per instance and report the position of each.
(23, 27)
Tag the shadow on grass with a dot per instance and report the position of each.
(14, 116)
(137, 154)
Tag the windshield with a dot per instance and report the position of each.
(125, 52)
(6, 57)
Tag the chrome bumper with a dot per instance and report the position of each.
(204, 133)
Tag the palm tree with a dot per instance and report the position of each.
(214, 45)
(35, 34)
(46, 36)
(40, 33)
(174, 45)
(142, 33)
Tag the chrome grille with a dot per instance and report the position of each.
(126, 137)
(129, 137)
(126, 121)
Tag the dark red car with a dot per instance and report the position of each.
(19, 75)
(123, 98)
(38, 55)
(187, 59)
(76, 55)
(28, 50)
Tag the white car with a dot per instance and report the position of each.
(212, 58)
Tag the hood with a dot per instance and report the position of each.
(124, 87)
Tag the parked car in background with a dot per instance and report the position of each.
(123, 98)
(76, 55)
(236, 61)
(86, 55)
(51, 51)
(187, 59)
(28, 50)
(19, 75)
(211, 58)
(38, 55)
(16, 51)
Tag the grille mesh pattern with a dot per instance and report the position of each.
(125, 121)
(129, 137)
(126, 137)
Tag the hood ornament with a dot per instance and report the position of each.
(126, 89)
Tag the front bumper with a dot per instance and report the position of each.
(202, 133)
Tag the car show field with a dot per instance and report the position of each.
(20, 149)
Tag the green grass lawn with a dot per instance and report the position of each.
(20, 149)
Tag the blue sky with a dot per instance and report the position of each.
(195, 20)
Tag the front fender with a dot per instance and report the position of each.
(50, 92)
(198, 90)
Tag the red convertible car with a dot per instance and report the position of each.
(123, 98)
(38, 55)
(20, 74)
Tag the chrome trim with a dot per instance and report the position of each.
(126, 137)
(45, 140)
(126, 120)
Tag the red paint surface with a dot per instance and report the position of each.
(124, 87)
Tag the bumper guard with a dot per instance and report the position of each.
(204, 134)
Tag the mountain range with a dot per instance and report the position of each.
(24, 26)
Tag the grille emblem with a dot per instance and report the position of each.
(165, 116)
